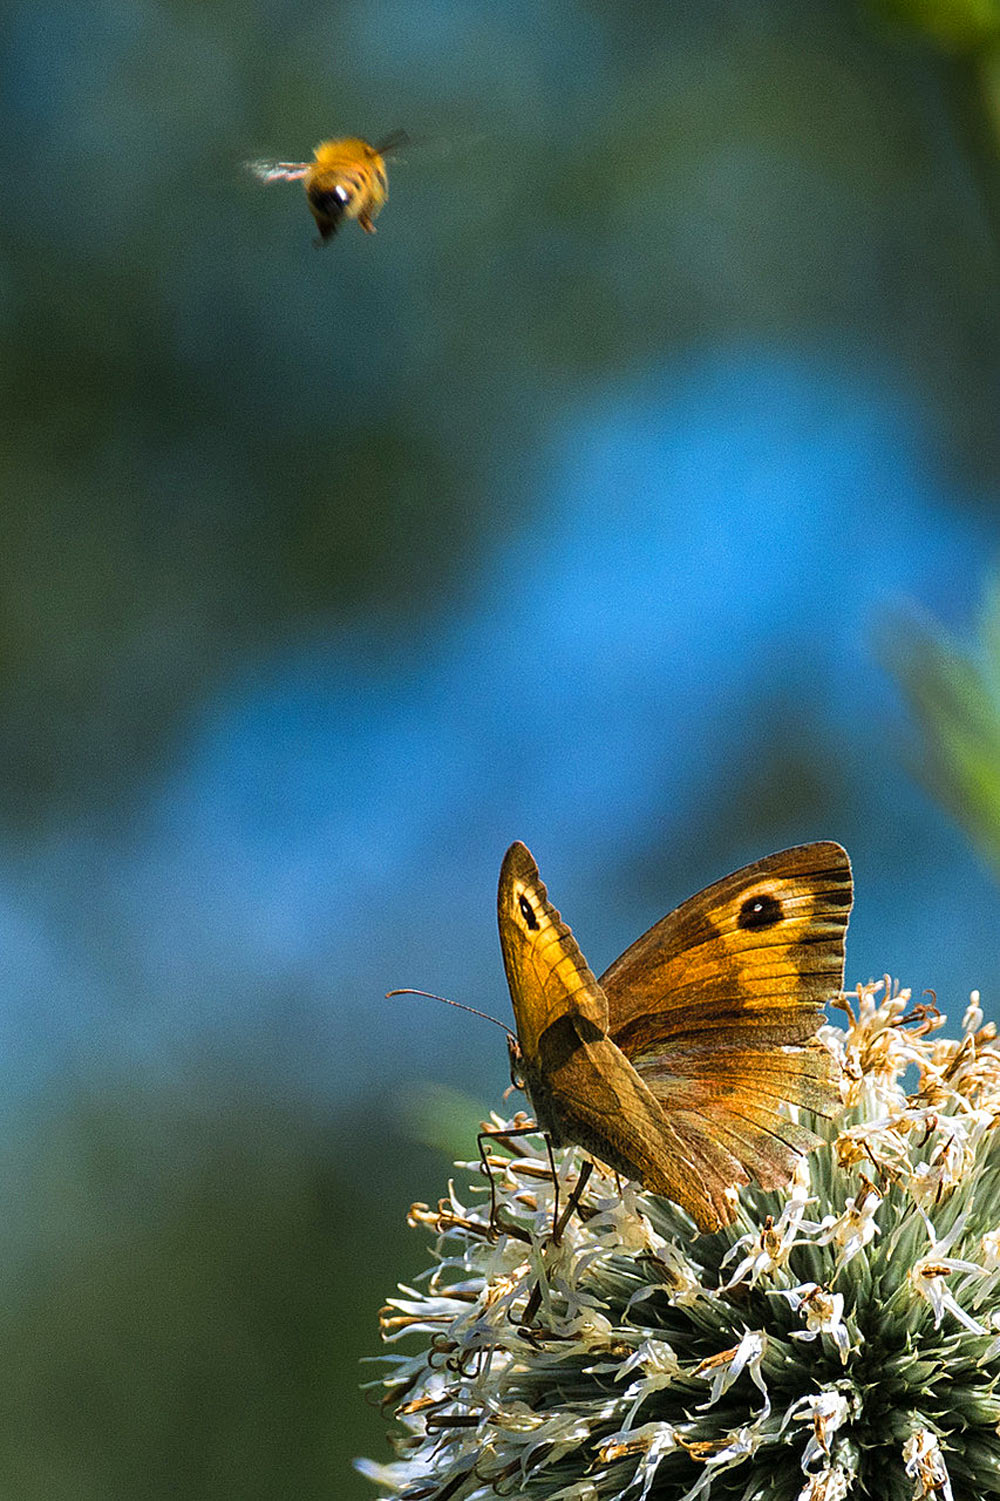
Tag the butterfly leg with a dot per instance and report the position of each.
(495, 1225)
(555, 1191)
(574, 1199)
(559, 1225)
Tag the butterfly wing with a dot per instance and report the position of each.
(717, 1005)
(547, 974)
(582, 1088)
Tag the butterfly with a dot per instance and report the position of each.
(673, 1067)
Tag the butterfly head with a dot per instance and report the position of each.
(515, 1055)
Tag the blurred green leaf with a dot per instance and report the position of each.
(956, 25)
(445, 1119)
(954, 693)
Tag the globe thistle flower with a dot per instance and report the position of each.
(841, 1338)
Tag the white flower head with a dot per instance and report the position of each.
(925, 1464)
(840, 1339)
(823, 1312)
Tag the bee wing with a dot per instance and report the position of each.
(392, 142)
(278, 171)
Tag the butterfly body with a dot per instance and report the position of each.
(673, 1067)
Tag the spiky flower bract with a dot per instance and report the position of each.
(841, 1338)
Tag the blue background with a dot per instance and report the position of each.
(576, 506)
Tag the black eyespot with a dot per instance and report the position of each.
(759, 912)
(527, 912)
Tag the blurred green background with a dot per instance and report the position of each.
(633, 492)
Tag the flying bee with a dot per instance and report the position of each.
(346, 180)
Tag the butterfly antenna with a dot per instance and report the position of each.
(471, 1009)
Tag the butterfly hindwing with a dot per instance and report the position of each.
(716, 1007)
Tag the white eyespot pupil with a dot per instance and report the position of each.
(528, 913)
(342, 194)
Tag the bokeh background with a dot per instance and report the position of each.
(633, 493)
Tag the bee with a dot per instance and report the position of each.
(346, 180)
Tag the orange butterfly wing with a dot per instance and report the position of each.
(547, 974)
(582, 1087)
(716, 1006)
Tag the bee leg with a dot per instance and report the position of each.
(365, 220)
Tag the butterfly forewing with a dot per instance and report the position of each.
(582, 1088)
(547, 973)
